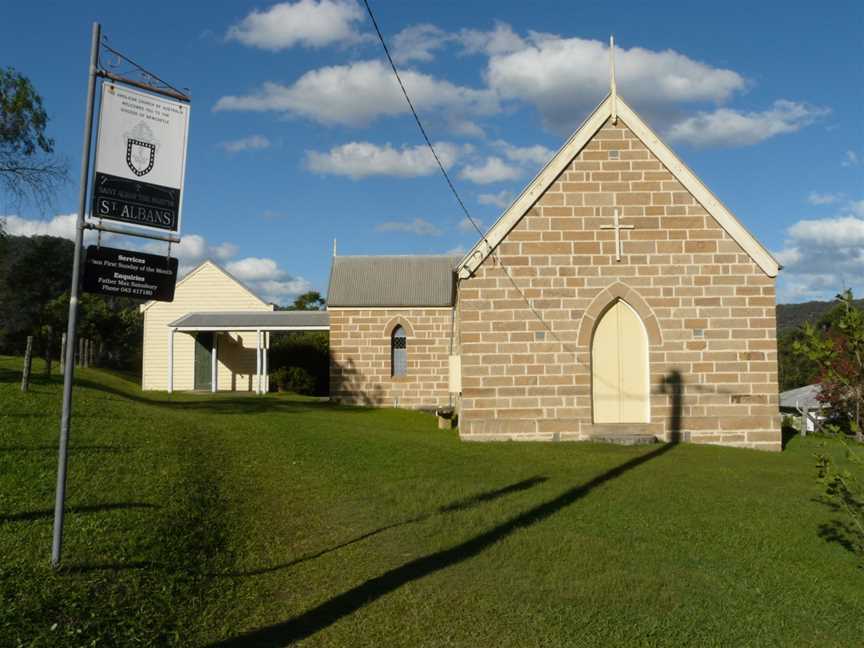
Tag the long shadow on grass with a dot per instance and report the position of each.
(114, 567)
(221, 403)
(348, 602)
(458, 505)
(342, 605)
(53, 448)
(28, 516)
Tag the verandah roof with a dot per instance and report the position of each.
(254, 321)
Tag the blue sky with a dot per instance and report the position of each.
(299, 134)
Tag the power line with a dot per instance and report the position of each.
(420, 124)
(450, 184)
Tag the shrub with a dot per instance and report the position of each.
(293, 379)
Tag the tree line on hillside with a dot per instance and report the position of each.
(34, 300)
(35, 274)
(791, 316)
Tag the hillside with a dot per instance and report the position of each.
(792, 315)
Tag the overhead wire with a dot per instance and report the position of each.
(492, 252)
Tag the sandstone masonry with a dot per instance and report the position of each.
(360, 356)
(708, 308)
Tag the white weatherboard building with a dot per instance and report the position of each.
(214, 336)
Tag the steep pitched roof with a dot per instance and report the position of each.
(547, 176)
(392, 281)
(207, 262)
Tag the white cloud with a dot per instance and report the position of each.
(417, 226)
(562, 77)
(307, 23)
(62, 225)
(728, 127)
(501, 40)
(838, 232)
(459, 250)
(536, 155)
(465, 127)
(262, 275)
(493, 170)
(465, 225)
(856, 208)
(277, 291)
(191, 250)
(362, 159)
(224, 251)
(267, 279)
(815, 198)
(501, 199)
(823, 256)
(254, 269)
(418, 42)
(850, 159)
(358, 93)
(251, 143)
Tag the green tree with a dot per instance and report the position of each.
(34, 300)
(838, 351)
(28, 165)
(311, 300)
(794, 369)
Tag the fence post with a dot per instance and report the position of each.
(48, 356)
(28, 359)
(62, 351)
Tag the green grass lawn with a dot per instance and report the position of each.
(243, 520)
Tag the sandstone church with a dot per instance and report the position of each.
(616, 295)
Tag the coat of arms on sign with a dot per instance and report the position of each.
(141, 148)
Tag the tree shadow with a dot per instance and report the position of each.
(53, 448)
(342, 605)
(458, 505)
(841, 533)
(28, 516)
(220, 403)
(112, 567)
(788, 433)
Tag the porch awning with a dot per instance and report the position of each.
(254, 321)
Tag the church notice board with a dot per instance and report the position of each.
(140, 159)
(120, 273)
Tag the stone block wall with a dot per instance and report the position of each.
(708, 308)
(360, 371)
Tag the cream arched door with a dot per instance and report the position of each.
(619, 367)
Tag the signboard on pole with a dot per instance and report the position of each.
(120, 273)
(140, 159)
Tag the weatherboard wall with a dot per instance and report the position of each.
(207, 288)
(707, 306)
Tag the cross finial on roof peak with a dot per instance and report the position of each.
(613, 90)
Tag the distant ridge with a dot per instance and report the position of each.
(793, 315)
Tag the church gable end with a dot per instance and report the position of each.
(703, 292)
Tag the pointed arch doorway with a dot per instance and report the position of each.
(619, 367)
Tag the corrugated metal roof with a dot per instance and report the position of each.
(392, 281)
(265, 320)
(803, 397)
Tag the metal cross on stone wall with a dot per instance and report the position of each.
(617, 226)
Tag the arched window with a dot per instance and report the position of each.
(398, 352)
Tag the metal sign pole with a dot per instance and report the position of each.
(69, 366)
